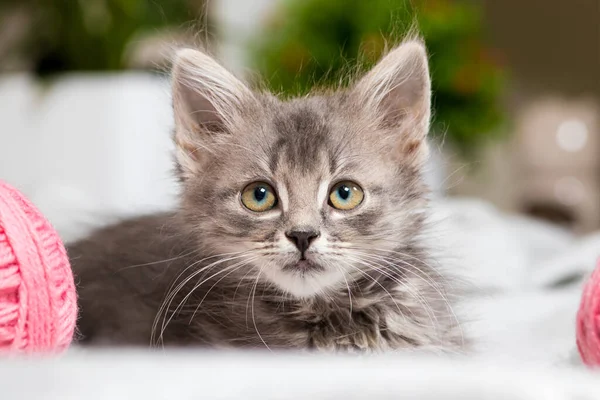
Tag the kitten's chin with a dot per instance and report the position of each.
(304, 283)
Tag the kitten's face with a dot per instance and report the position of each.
(301, 192)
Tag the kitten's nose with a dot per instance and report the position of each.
(302, 238)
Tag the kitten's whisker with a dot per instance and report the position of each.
(415, 293)
(166, 304)
(239, 283)
(348, 286)
(253, 317)
(166, 321)
(379, 284)
(196, 286)
(172, 292)
(428, 265)
(324, 292)
(365, 263)
(198, 262)
(237, 253)
(439, 288)
(451, 175)
(239, 265)
(161, 261)
(430, 281)
(438, 274)
(392, 261)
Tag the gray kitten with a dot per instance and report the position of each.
(299, 225)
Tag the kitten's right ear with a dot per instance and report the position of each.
(398, 91)
(207, 101)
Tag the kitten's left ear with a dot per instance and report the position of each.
(398, 91)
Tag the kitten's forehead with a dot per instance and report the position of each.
(312, 139)
(303, 137)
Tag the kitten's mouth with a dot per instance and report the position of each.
(303, 266)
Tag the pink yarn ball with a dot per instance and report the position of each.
(38, 303)
(588, 321)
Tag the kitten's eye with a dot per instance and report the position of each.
(259, 197)
(346, 195)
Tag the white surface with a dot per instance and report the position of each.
(89, 149)
(260, 376)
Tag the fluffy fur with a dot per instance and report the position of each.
(214, 273)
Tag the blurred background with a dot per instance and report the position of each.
(516, 84)
(86, 121)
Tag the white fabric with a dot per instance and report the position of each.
(260, 376)
(88, 149)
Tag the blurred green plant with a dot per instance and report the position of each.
(316, 42)
(67, 35)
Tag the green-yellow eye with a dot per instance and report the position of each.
(259, 197)
(346, 195)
